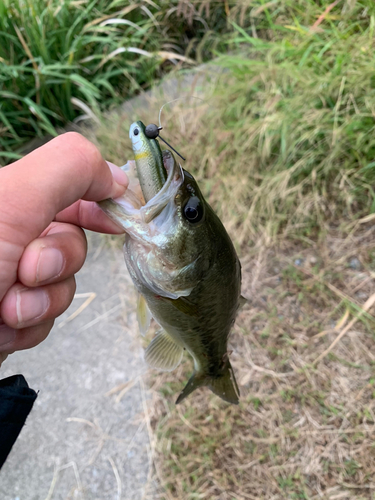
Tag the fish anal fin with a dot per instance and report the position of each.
(163, 353)
(143, 315)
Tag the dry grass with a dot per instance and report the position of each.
(301, 431)
(283, 149)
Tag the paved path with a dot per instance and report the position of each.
(79, 441)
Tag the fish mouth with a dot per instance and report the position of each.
(168, 192)
(133, 202)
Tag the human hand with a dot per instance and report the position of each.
(45, 200)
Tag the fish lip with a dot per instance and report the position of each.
(167, 193)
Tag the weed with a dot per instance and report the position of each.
(66, 60)
(284, 151)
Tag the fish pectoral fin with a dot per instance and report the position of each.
(163, 353)
(143, 315)
(185, 306)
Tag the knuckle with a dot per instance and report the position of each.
(70, 290)
(73, 286)
(88, 153)
(80, 241)
(3, 357)
(61, 296)
(34, 335)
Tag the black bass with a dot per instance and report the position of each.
(185, 269)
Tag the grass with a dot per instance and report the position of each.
(294, 118)
(283, 148)
(72, 59)
(302, 430)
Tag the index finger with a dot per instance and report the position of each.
(34, 189)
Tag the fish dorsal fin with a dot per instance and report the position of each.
(143, 315)
(163, 353)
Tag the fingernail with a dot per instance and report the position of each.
(50, 264)
(7, 335)
(119, 175)
(31, 304)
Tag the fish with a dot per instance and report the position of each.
(184, 267)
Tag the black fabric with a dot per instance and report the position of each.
(16, 401)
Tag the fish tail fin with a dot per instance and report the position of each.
(194, 382)
(224, 385)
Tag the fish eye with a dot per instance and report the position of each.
(136, 131)
(193, 210)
